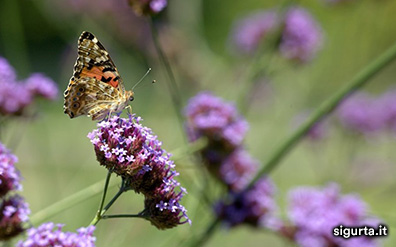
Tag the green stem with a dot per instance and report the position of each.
(172, 85)
(67, 202)
(326, 108)
(99, 216)
(104, 193)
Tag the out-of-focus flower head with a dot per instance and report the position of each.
(148, 7)
(16, 96)
(219, 121)
(10, 177)
(386, 104)
(249, 32)
(362, 113)
(49, 234)
(238, 169)
(317, 132)
(254, 206)
(14, 213)
(315, 212)
(41, 85)
(301, 37)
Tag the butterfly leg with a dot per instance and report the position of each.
(129, 109)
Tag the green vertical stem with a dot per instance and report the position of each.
(172, 85)
(104, 193)
(326, 108)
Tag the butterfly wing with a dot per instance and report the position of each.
(94, 67)
(90, 97)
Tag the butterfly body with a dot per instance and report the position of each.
(96, 88)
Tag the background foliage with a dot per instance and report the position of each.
(57, 160)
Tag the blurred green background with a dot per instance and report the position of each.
(56, 158)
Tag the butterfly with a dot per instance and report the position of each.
(96, 88)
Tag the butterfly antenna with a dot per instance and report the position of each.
(148, 71)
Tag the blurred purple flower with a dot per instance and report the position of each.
(9, 176)
(362, 113)
(7, 72)
(249, 32)
(148, 7)
(16, 96)
(49, 234)
(387, 106)
(41, 85)
(254, 206)
(315, 212)
(318, 131)
(14, 213)
(301, 37)
(238, 169)
(210, 116)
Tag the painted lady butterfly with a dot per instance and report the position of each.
(96, 88)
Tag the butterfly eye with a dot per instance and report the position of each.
(131, 98)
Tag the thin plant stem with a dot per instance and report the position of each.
(104, 193)
(99, 216)
(358, 81)
(172, 85)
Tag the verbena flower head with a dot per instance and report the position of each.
(301, 36)
(362, 113)
(9, 176)
(49, 234)
(249, 32)
(164, 210)
(219, 121)
(7, 72)
(238, 169)
(254, 206)
(16, 96)
(41, 85)
(315, 212)
(14, 213)
(148, 7)
(133, 152)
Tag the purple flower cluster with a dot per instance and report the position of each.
(14, 212)
(366, 114)
(254, 206)
(49, 234)
(9, 175)
(16, 96)
(300, 35)
(210, 117)
(238, 170)
(148, 7)
(315, 212)
(252, 30)
(132, 151)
